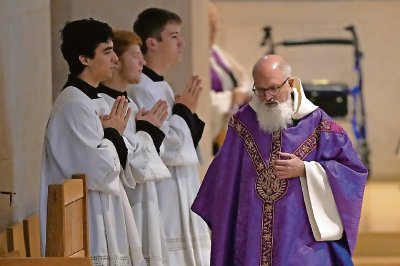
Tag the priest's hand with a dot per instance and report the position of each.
(289, 166)
(119, 116)
(156, 115)
(190, 96)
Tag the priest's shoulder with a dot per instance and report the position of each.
(328, 124)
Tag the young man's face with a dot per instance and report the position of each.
(104, 62)
(131, 64)
(170, 48)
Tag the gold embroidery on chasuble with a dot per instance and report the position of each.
(270, 188)
(310, 143)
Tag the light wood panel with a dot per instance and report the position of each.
(32, 236)
(381, 207)
(67, 230)
(45, 262)
(15, 239)
(378, 242)
(3, 243)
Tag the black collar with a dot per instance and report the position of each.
(111, 92)
(152, 75)
(87, 89)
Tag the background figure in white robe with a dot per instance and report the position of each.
(187, 237)
(78, 140)
(230, 86)
(143, 139)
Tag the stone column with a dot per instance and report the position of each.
(25, 102)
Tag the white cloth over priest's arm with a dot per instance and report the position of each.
(320, 204)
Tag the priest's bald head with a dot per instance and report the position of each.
(272, 88)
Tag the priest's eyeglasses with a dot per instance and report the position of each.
(273, 90)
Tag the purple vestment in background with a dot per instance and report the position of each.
(257, 219)
(216, 83)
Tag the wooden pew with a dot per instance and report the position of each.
(15, 241)
(45, 262)
(67, 239)
(22, 239)
(3, 243)
(67, 229)
(32, 236)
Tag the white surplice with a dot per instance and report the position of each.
(147, 168)
(187, 236)
(74, 143)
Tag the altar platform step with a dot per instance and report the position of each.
(378, 241)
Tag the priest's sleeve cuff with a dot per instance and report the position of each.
(113, 135)
(320, 204)
(155, 133)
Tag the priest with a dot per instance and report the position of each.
(287, 186)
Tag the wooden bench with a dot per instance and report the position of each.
(67, 239)
(22, 239)
(67, 229)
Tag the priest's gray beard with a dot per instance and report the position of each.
(273, 118)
